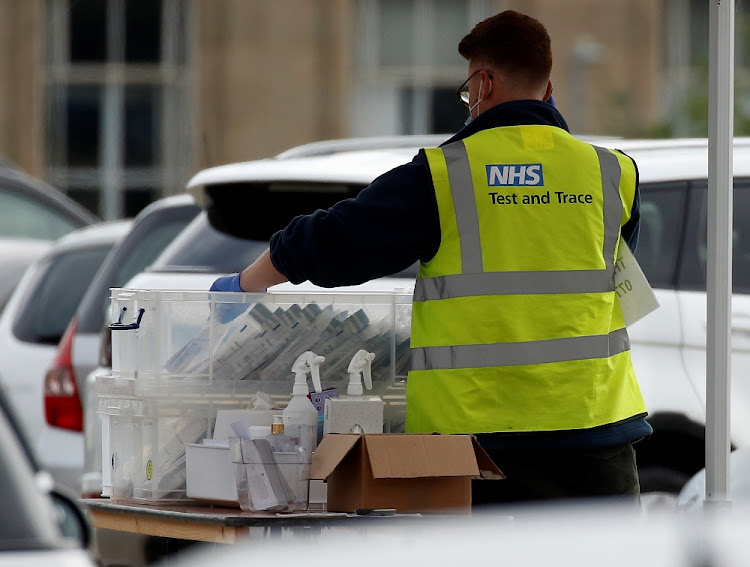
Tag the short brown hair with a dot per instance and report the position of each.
(512, 42)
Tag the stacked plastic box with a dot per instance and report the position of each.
(178, 357)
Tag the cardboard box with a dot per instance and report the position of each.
(411, 473)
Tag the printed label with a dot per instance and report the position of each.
(636, 297)
(514, 174)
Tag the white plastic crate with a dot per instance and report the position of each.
(179, 357)
(232, 336)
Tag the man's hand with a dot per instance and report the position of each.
(226, 312)
(227, 283)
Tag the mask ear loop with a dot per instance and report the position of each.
(479, 99)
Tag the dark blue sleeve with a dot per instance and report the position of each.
(391, 224)
(631, 229)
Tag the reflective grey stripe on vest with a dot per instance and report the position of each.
(611, 171)
(516, 354)
(473, 281)
(465, 205)
(513, 283)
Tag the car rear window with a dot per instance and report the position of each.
(147, 239)
(53, 296)
(23, 217)
(200, 247)
(255, 211)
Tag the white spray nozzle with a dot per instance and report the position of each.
(306, 362)
(361, 364)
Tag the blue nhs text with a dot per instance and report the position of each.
(514, 175)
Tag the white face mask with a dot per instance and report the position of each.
(471, 108)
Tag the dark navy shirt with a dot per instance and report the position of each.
(393, 223)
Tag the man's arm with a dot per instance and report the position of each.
(260, 275)
(631, 230)
(386, 228)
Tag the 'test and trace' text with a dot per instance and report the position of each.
(527, 175)
(545, 198)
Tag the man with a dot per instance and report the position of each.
(517, 335)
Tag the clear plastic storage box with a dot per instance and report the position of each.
(180, 356)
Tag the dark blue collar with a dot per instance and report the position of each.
(514, 113)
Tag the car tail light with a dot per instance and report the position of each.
(62, 405)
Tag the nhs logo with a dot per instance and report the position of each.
(514, 175)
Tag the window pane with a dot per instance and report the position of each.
(741, 238)
(661, 221)
(694, 265)
(24, 218)
(142, 121)
(431, 111)
(142, 31)
(692, 275)
(450, 25)
(89, 197)
(698, 32)
(136, 199)
(396, 31)
(88, 39)
(83, 119)
(447, 113)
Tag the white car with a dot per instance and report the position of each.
(32, 216)
(31, 326)
(39, 524)
(150, 232)
(693, 494)
(253, 199)
(603, 533)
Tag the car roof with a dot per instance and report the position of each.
(359, 166)
(680, 159)
(103, 232)
(180, 200)
(327, 147)
(361, 160)
(12, 178)
(22, 247)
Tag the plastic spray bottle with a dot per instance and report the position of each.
(300, 417)
(361, 364)
(355, 413)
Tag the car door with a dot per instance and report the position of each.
(657, 340)
(692, 299)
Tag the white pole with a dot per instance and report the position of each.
(719, 289)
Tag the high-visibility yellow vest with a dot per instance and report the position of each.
(516, 325)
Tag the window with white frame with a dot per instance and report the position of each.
(408, 66)
(117, 106)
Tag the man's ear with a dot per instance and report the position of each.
(490, 82)
(548, 92)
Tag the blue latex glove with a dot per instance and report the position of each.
(227, 283)
(551, 100)
(226, 312)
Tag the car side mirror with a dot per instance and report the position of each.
(71, 518)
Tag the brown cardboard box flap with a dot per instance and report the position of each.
(487, 468)
(330, 452)
(417, 456)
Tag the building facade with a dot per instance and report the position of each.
(119, 102)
